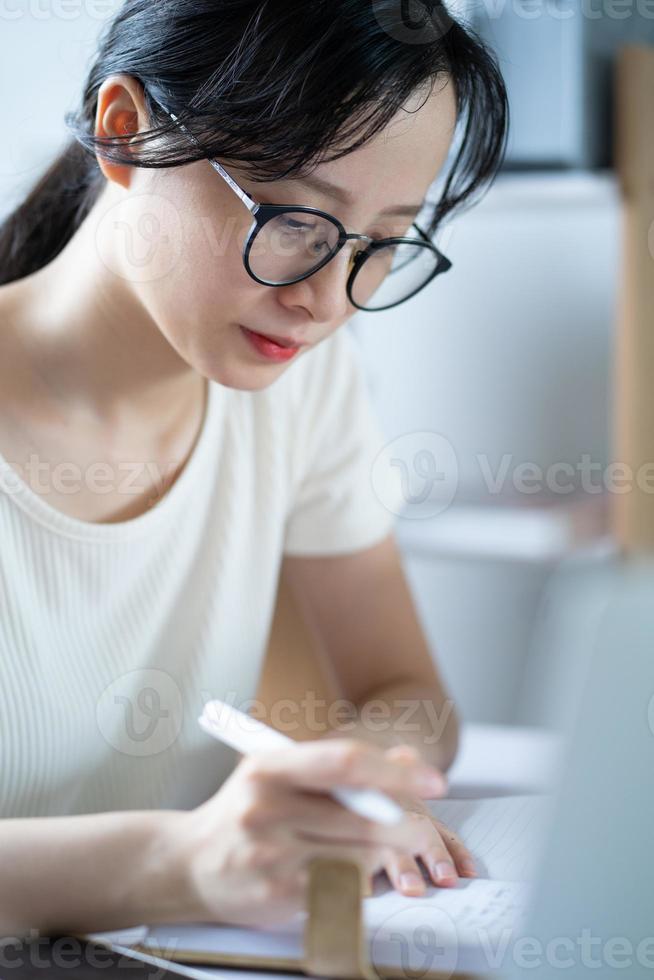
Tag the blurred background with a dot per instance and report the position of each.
(493, 385)
(509, 360)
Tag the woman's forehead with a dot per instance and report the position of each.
(402, 159)
(399, 162)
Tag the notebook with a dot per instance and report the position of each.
(446, 931)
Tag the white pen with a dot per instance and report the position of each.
(247, 734)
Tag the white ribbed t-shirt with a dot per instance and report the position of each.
(112, 636)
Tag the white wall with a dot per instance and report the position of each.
(45, 50)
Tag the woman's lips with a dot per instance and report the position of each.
(267, 346)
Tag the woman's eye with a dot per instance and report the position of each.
(298, 225)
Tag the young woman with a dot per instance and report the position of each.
(182, 419)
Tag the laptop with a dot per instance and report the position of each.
(592, 908)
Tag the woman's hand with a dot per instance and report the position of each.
(242, 856)
(445, 856)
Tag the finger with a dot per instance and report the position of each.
(409, 754)
(462, 857)
(405, 874)
(439, 862)
(325, 763)
(320, 817)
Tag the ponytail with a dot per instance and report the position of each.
(47, 219)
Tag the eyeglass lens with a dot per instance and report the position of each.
(295, 243)
(391, 274)
(291, 245)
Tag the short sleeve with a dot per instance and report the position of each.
(334, 506)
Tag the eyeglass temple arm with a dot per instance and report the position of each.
(247, 200)
(445, 263)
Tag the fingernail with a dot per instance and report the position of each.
(468, 866)
(410, 881)
(445, 870)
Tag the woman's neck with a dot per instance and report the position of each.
(84, 339)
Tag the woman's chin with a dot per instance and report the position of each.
(243, 376)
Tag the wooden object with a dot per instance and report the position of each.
(633, 512)
(334, 938)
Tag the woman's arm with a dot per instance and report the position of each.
(364, 625)
(88, 873)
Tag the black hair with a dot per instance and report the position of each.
(274, 85)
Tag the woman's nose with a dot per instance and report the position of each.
(324, 293)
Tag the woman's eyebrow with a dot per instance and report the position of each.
(346, 197)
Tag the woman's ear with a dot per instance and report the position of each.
(120, 111)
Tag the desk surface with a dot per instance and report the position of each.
(501, 760)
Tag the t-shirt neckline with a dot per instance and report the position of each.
(15, 488)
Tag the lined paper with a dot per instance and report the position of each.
(503, 833)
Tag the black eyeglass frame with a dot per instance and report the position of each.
(263, 213)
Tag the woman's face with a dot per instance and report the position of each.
(174, 237)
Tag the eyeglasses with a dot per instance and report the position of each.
(288, 243)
